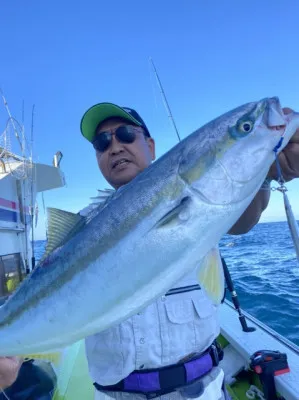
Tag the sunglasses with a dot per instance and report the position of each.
(124, 134)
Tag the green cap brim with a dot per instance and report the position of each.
(99, 113)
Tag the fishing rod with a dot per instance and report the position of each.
(227, 275)
(235, 298)
(165, 100)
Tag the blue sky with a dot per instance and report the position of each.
(211, 57)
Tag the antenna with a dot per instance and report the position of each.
(12, 121)
(32, 194)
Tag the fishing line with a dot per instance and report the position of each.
(4, 394)
(280, 179)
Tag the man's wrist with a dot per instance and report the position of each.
(266, 184)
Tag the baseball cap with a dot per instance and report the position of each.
(102, 111)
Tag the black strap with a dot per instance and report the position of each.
(183, 289)
(171, 377)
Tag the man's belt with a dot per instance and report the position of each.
(156, 382)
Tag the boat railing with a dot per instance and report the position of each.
(292, 346)
(2, 167)
(6, 154)
(12, 229)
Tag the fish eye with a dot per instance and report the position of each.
(246, 126)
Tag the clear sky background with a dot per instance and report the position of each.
(64, 56)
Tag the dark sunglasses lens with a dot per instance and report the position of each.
(125, 135)
(102, 141)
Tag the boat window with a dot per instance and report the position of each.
(12, 272)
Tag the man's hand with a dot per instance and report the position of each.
(288, 158)
(9, 369)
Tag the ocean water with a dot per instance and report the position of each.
(265, 273)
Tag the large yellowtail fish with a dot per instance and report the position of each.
(152, 232)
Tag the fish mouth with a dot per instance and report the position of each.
(120, 161)
(270, 115)
(276, 119)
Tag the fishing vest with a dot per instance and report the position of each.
(182, 322)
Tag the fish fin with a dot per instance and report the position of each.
(103, 195)
(106, 192)
(62, 225)
(211, 276)
(98, 203)
(174, 215)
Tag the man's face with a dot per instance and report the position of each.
(122, 162)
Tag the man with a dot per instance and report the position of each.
(166, 332)
(174, 329)
(9, 368)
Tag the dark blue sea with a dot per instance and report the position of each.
(265, 273)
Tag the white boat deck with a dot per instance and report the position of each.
(248, 343)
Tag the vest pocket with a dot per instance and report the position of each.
(188, 325)
(203, 306)
(206, 323)
(180, 311)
